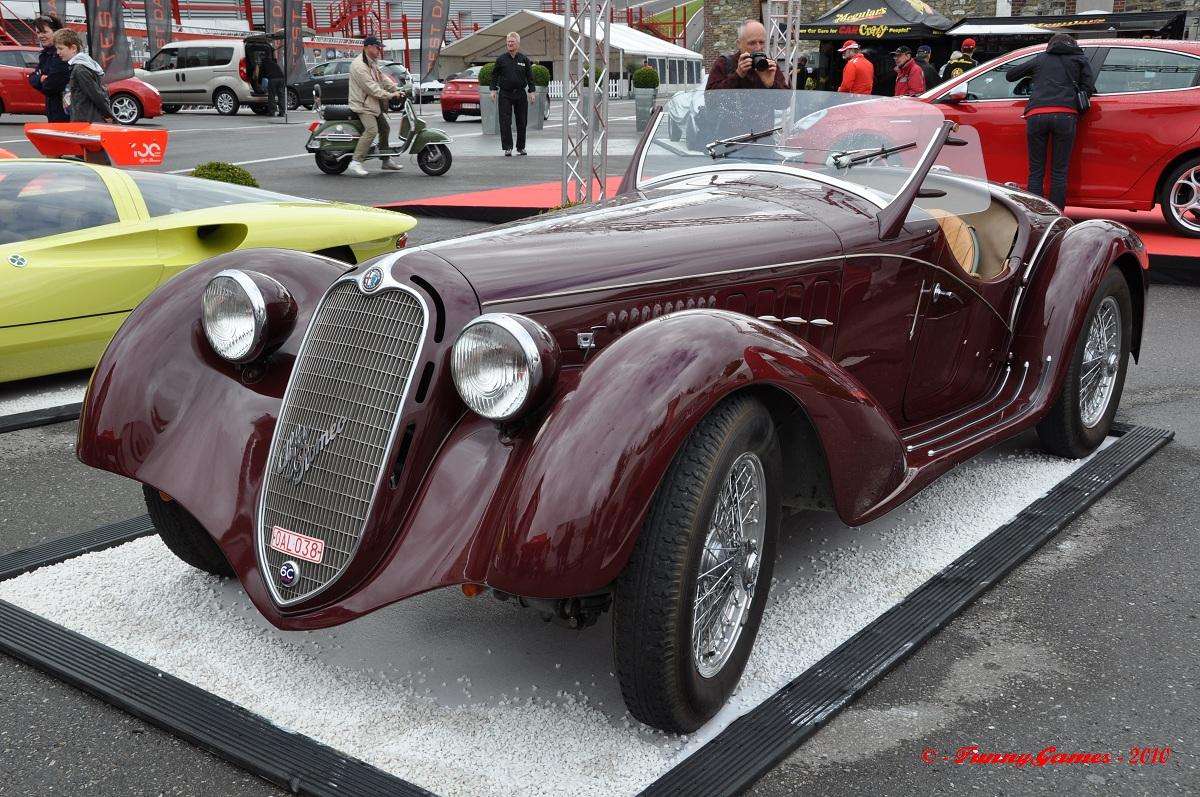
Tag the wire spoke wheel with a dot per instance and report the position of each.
(1101, 361)
(729, 565)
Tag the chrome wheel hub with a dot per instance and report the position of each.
(1101, 361)
(729, 565)
(123, 110)
(1185, 199)
(224, 103)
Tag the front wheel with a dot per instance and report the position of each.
(434, 159)
(226, 102)
(687, 607)
(171, 108)
(184, 535)
(125, 109)
(293, 100)
(1179, 198)
(1083, 413)
(332, 164)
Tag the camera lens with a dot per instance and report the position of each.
(760, 62)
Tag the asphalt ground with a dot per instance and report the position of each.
(1089, 646)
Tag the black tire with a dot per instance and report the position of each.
(435, 159)
(654, 596)
(293, 100)
(450, 116)
(226, 102)
(186, 538)
(331, 164)
(171, 108)
(1164, 199)
(260, 109)
(1063, 432)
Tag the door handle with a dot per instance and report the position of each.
(938, 293)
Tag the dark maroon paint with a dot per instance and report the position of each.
(670, 281)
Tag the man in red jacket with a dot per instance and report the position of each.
(910, 80)
(858, 76)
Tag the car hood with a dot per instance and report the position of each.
(692, 228)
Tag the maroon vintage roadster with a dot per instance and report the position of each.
(797, 300)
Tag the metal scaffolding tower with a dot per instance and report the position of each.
(586, 25)
(783, 35)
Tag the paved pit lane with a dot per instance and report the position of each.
(45, 392)
(470, 696)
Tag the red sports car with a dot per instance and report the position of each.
(130, 99)
(460, 97)
(1139, 144)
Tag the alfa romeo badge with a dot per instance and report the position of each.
(372, 278)
(17, 260)
(289, 573)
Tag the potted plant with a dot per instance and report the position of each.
(538, 111)
(488, 114)
(645, 90)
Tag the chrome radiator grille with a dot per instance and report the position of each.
(334, 431)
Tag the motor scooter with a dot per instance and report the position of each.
(333, 140)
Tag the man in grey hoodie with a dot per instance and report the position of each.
(86, 98)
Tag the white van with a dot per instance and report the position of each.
(212, 72)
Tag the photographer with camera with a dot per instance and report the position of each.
(750, 67)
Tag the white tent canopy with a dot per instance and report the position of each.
(541, 39)
(989, 29)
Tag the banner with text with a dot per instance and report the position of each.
(293, 37)
(158, 24)
(433, 33)
(107, 42)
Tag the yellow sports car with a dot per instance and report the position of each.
(81, 245)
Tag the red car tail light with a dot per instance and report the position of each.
(242, 73)
(312, 126)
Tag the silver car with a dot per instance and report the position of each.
(214, 72)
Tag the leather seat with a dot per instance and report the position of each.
(960, 240)
(338, 113)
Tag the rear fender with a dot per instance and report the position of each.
(1061, 291)
(575, 501)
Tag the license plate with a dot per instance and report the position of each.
(472, 105)
(310, 549)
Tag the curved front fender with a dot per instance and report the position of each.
(426, 137)
(576, 501)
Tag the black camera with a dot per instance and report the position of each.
(760, 62)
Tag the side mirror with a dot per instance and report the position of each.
(954, 98)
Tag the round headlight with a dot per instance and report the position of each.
(246, 314)
(503, 364)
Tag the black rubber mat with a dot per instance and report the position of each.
(728, 764)
(757, 741)
(55, 551)
(42, 417)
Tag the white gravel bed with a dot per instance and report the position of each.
(39, 394)
(474, 696)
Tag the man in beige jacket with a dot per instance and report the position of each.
(370, 90)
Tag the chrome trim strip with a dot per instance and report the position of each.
(995, 394)
(934, 452)
(260, 543)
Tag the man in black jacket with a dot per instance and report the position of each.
(52, 73)
(924, 53)
(276, 90)
(1052, 112)
(512, 79)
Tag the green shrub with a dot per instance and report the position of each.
(645, 78)
(225, 173)
(587, 80)
(541, 75)
(485, 74)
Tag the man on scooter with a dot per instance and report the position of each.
(370, 90)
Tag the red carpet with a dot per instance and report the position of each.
(494, 204)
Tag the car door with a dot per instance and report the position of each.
(1141, 111)
(18, 96)
(335, 84)
(193, 74)
(162, 72)
(993, 106)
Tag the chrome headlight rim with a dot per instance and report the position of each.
(258, 309)
(540, 352)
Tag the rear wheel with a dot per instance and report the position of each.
(1179, 198)
(332, 164)
(184, 535)
(171, 108)
(226, 102)
(687, 607)
(450, 116)
(260, 109)
(293, 100)
(1083, 413)
(434, 159)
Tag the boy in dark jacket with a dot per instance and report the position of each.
(86, 98)
(52, 73)
(1052, 112)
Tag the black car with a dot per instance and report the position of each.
(330, 82)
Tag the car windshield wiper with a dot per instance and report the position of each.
(841, 160)
(745, 138)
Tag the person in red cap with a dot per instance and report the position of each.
(961, 60)
(858, 76)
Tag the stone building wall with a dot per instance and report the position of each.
(721, 20)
